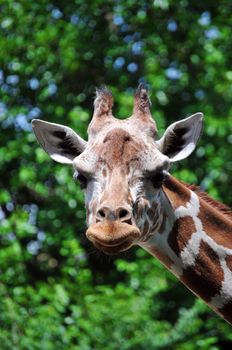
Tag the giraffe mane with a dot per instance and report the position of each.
(224, 209)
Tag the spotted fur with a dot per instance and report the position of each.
(198, 241)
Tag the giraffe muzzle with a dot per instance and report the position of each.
(113, 237)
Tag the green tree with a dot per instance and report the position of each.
(56, 291)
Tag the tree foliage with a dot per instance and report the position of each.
(56, 291)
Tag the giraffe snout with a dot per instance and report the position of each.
(120, 213)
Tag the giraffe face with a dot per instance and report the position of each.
(121, 168)
(122, 174)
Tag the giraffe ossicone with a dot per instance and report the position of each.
(131, 198)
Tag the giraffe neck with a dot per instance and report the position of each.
(195, 243)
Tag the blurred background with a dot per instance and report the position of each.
(57, 292)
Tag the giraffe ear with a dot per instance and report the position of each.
(59, 141)
(180, 138)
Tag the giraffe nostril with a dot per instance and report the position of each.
(123, 213)
(106, 213)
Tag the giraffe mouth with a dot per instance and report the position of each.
(113, 237)
(113, 250)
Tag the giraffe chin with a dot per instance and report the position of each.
(113, 237)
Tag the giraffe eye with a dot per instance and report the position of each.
(81, 179)
(158, 178)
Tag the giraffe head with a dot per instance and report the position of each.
(121, 168)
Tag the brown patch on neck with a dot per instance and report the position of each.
(206, 276)
(177, 193)
(181, 233)
(216, 224)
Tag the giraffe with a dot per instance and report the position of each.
(132, 199)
